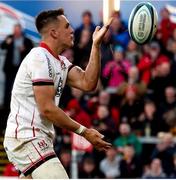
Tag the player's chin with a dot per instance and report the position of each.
(71, 44)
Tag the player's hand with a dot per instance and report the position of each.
(100, 32)
(95, 138)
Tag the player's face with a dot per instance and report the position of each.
(66, 33)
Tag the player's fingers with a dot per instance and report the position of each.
(105, 144)
(106, 26)
(108, 23)
(97, 28)
(103, 148)
(99, 135)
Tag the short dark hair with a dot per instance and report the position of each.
(46, 17)
(87, 13)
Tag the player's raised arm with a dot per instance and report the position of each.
(87, 80)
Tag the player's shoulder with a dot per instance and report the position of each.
(65, 60)
(37, 51)
(37, 54)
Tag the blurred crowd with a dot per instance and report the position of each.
(135, 98)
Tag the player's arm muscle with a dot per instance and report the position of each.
(44, 96)
(86, 80)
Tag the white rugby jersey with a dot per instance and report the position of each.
(39, 67)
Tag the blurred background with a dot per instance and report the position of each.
(134, 104)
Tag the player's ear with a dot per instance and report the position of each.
(54, 33)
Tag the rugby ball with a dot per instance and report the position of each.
(142, 24)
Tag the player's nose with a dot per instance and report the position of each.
(71, 30)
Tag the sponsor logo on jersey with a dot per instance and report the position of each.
(50, 72)
(42, 145)
(59, 88)
(63, 66)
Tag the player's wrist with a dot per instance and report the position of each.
(80, 131)
(96, 44)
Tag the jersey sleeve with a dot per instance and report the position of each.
(68, 64)
(41, 70)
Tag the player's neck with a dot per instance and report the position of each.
(56, 50)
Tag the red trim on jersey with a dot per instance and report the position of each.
(42, 80)
(31, 160)
(32, 123)
(16, 118)
(33, 130)
(44, 45)
(40, 159)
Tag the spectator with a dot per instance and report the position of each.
(75, 111)
(116, 70)
(130, 166)
(171, 40)
(159, 67)
(122, 26)
(133, 80)
(65, 158)
(131, 106)
(118, 28)
(172, 52)
(150, 119)
(88, 169)
(165, 151)
(87, 23)
(104, 122)
(110, 164)
(133, 75)
(82, 48)
(170, 98)
(81, 97)
(144, 64)
(17, 46)
(166, 26)
(104, 98)
(167, 109)
(155, 171)
(125, 138)
(133, 52)
(163, 78)
(149, 63)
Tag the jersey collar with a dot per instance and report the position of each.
(45, 46)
